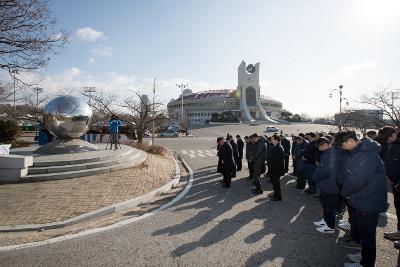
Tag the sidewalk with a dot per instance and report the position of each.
(54, 201)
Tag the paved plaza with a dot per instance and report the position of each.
(213, 226)
(54, 201)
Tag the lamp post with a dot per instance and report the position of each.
(154, 96)
(182, 86)
(38, 90)
(90, 90)
(14, 72)
(340, 90)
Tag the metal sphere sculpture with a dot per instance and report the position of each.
(67, 117)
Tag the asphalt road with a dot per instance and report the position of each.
(210, 226)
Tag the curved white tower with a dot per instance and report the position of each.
(249, 88)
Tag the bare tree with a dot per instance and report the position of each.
(142, 113)
(103, 105)
(5, 92)
(28, 35)
(361, 121)
(387, 101)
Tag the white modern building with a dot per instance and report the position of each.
(245, 102)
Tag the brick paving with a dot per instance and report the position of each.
(52, 201)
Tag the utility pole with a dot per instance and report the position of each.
(38, 90)
(90, 90)
(154, 96)
(182, 86)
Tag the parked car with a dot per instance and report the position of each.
(271, 129)
(169, 133)
(254, 123)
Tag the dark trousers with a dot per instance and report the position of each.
(286, 163)
(239, 164)
(276, 185)
(329, 202)
(366, 225)
(301, 179)
(354, 234)
(310, 169)
(227, 178)
(256, 178)
(294, 166)
(251, 169)
(396, 196)
(114, 140)
(341, 205)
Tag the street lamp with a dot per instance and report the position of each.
(182, 86)
(90, 90)
(154, 96)
(14, 72)
(341, 98)
(38, 90)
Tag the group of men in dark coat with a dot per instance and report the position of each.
(259, 149)
(230, 155)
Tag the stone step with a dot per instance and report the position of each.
(89, 157)
(133, 161)
(76, 167)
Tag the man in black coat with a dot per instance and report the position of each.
(294, 144)
(234, 148)
(225, 153)
(249, 151)
(277, 167)
(310, 156)
(257, 159)
(240, 145)
(286, 147)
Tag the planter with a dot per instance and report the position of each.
(5, 149)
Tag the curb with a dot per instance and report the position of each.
(110, 227)
(130, 203)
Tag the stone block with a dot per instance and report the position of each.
(15, 161)
(12, 175)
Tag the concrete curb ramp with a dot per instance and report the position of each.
(99, 212)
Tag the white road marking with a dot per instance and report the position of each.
(184, 152)
(192, 155)
(201, 155)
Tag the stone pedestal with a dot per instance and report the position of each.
(65, 147)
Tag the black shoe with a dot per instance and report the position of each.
(308, 191)
(276, 199)
(257, 191)
(226, 185)
(222, 181)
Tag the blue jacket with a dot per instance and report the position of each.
(365, 183)
(329, 169)
(114, 125)
(393, 163)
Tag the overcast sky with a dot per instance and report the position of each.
(306, 48)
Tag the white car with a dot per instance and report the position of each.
(254, 122)
(271, 129)
(169, 133)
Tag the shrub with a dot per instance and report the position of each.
(8, 131)
(158, 150)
